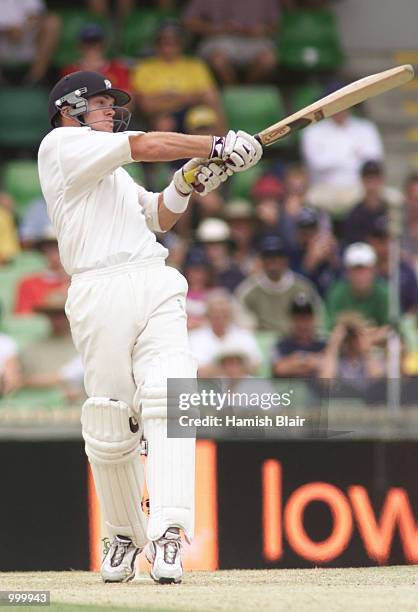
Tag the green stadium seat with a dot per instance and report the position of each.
(73, 20)
(21, 180)
(28, 261)
(23, 116)
(305, 95)
(139, 28)
(309, 39)
(160, 176)
(252, 108)
(137, 173)
(25, 328)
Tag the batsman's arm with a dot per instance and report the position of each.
(169, 146)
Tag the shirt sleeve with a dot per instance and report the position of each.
(149, 202)
(86, 156)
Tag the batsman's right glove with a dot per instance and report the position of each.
(238, 150)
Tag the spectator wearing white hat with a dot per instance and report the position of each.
(233, 362)
(361, 290)
(214, 236)
(207, 342)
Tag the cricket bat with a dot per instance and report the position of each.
(334, 103)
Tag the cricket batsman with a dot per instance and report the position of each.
(127, 308)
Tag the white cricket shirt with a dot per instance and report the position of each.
(100, 215)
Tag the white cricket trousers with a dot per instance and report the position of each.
(121, 317)
(128, 322)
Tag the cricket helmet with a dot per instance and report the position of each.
(76, 88)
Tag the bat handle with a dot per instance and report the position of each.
(190, 175)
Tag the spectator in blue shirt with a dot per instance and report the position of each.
(298, 354)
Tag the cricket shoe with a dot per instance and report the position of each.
(165, 557)
(119, 562)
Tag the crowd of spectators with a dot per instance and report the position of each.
(303, 260)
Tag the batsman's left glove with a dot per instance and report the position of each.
(209, 175)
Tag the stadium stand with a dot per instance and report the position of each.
(72, 21)
(263, 105)
(309, 39)
(139, 28)
(20, 180)
(23, 121)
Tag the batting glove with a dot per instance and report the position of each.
(209, 176)
(238, 150)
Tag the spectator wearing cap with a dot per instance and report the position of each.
(221, 330)
(236, 37)
(33, 289)
(43, 359)
(361, 290)
(93, 48)
(298, 354)
(214, 236)
(296, 183)
(334, 151)
(267, 194)
(267, 295)
(201, 120)
(199, 275)
(240, 217)
(373, 205)
(170, 83)
(316, 254)
(379, 239)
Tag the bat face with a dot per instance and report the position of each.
(271, 135)
(338, 101)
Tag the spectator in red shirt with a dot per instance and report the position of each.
(92, 39)
(34, 288)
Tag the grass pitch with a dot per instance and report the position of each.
(318, 590)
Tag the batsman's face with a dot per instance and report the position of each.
(100, 114)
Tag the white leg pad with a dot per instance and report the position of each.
(113, 452)
(171, 461)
